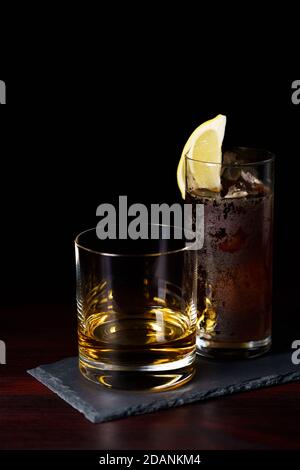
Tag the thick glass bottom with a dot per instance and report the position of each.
(157, 377)
(226, 350)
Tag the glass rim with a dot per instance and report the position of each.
(270, 158)
(187, 247)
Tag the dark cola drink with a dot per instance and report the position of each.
(235, 263)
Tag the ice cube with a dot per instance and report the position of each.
(253, 184)
(250, 178)
(231, 174)
(230, 158)
(236, 190)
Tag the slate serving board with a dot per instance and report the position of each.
(213, 379)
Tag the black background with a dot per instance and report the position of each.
(75, 139)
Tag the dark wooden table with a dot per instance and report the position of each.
(32, 417)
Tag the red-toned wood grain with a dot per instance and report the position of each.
(32, 417)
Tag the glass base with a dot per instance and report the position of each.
(158, 377)
(226, 350)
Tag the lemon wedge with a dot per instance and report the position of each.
(204, 145)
